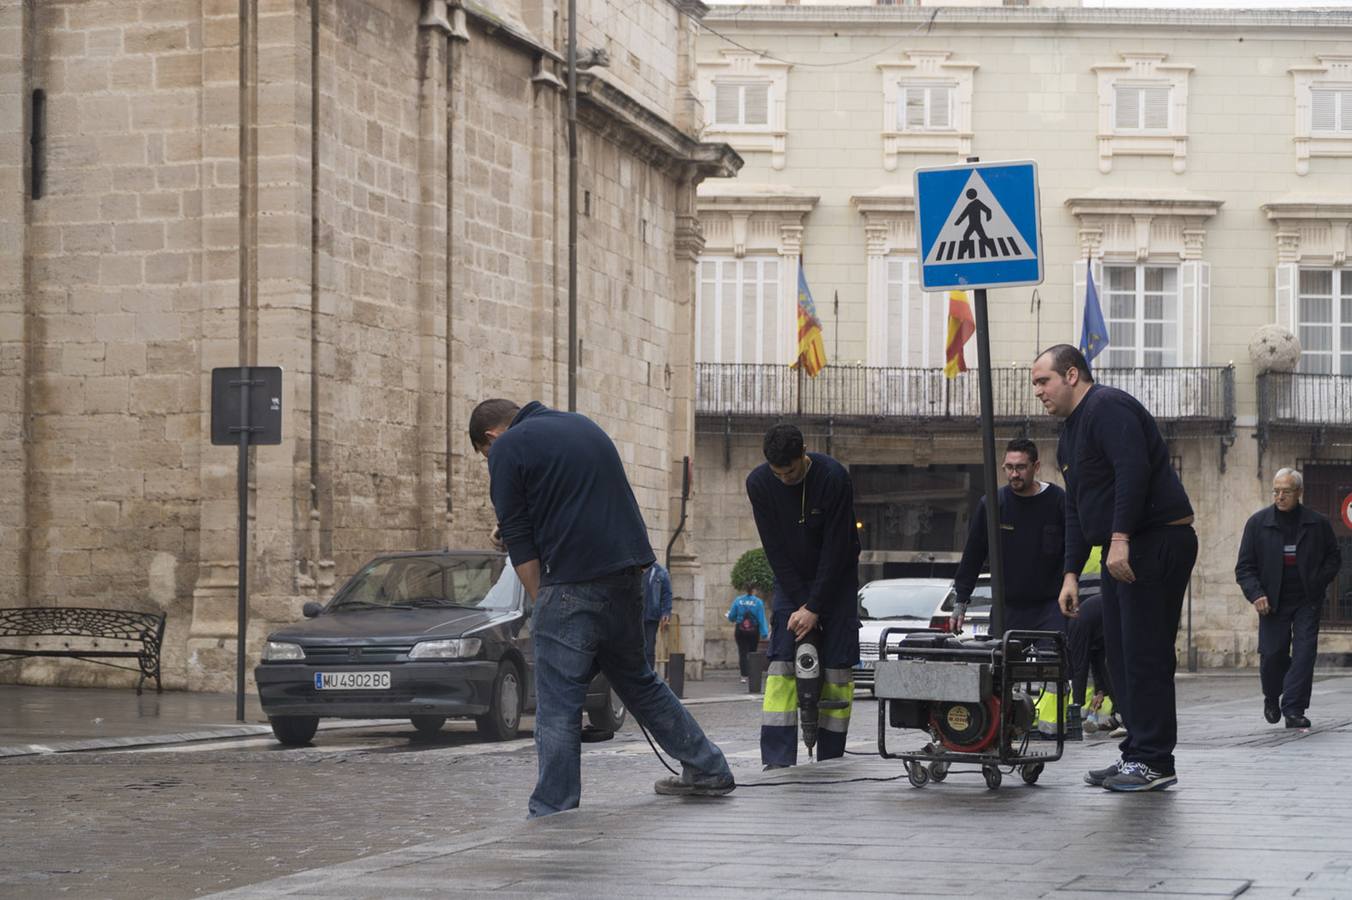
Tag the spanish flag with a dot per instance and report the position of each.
(961, 326)
(811, 347)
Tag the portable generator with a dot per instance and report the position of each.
(973, 700)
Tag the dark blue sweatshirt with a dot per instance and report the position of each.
(809, 535)
(1117, 472)
(1032, 535)
(561, 496)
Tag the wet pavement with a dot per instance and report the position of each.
(379, 811)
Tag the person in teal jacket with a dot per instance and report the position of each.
(747, 614)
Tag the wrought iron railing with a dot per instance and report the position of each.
(1300, 400)
(1199, 393)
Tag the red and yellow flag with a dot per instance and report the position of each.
(811, 347)
(961, 326)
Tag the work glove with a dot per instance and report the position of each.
(958, 617)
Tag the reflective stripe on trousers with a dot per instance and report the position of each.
(779, 716)
(1046, 708)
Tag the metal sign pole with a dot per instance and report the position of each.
(995, 553)
(243, 487)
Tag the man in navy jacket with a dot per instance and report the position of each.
(1122, 494)
(577, 540)
(1287, 560)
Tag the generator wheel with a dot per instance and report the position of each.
(938, 771)
(1030, 772)
(917, 774)
(993, 776)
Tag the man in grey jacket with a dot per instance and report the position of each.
(1287, 560)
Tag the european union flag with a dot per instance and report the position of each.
(1094, 333)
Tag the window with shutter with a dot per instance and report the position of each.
(1330, 110)
(927, 107)
(1324, 321)
(737, 310)
(1141, 108)
(1141, 311)
(727, 103)
(757, 104)
(1128, 108)
(1155, 108)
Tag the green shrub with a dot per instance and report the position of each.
(753, 570)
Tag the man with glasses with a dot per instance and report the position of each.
(1032, 535)
(1287, 560)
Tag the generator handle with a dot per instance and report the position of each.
(898, 629)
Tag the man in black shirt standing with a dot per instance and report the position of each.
(576, 537)
(803, 504)
(1032, 532)
(1122, 493)
(1287, 559)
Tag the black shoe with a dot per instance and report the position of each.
(1096, 777)
(769, 767)
(706, 786)
(1272, 710)
(592, 735)
(1137, 776)
(1297, 722)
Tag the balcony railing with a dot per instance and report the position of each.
(1300, 400)
(1200, 394)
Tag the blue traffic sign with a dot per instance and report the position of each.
(979, 225)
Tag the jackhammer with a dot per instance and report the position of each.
(807, 671)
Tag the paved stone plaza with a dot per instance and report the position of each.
(375, 812)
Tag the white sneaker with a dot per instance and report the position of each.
(743, 679)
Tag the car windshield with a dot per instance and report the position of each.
(422, 581)
(900, 600)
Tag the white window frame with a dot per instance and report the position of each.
(742, 84)
(1339, 354)
(928, 89)
(737, 66)
(1143, 71)
(926, 68)
(1171, 354)
(731, 273)
(1331, 73)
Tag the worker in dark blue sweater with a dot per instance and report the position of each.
(803, 504)
(1032, 532)
(1122, 494)
(577, 540)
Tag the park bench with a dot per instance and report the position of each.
(107, 634)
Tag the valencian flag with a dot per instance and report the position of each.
(961, 326)
(1094, 333)
(811, 347)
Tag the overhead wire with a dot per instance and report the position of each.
(925, 26)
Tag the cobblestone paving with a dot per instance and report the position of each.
(374, 812)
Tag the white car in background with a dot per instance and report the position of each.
(909, 603)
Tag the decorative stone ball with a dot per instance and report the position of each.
(1274, 349)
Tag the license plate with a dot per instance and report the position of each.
(352, 681)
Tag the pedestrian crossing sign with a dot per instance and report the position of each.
(979, 225)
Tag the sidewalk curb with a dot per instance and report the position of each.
(163, 740)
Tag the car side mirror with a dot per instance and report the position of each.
(311, 609)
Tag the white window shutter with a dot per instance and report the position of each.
(1128, 112)
(1193, 314)
(1156, 103)
(757, 104)
(914, 113)
(940, 98)
(1203, 320)
(726, 103)
(1288, 275)
(1077, 302)
(1323, 110)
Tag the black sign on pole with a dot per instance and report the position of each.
(246, 408)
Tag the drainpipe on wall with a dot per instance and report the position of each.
(572, 205)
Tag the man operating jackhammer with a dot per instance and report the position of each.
(803, 504)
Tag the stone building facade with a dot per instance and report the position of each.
(371, 194)
(1199, 160)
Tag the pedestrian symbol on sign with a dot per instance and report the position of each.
(977, 229)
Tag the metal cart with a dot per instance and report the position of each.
(978, 689)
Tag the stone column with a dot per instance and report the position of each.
(15, 91)
(687, 576)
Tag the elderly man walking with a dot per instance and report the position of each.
(1287, 560)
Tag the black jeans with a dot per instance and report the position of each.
(747, 641)
(1140, 624)
(1288, 638)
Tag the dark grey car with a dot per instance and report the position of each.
(427, 636)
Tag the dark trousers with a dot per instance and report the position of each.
(1140, 623)
(1086, 650)
(1287, 640)
(650, 642)
(747, 642)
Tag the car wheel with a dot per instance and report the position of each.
(294, 731)
(611, 716)
(504, 711)
(428, 725)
